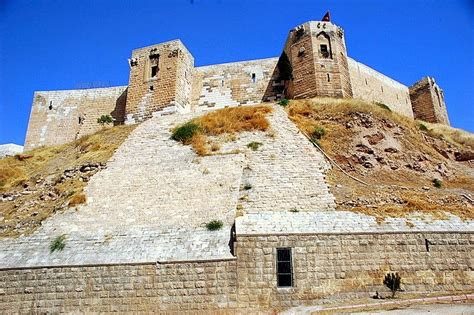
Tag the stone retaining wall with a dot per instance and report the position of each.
(329, 265)
(324, 265)
(120, 288)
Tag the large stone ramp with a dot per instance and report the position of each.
(150, 204)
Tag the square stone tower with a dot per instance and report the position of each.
(427, 101)
(160, 81)
(314, 62)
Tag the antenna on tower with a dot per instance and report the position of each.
(326, 17)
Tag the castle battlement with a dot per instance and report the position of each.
(163, 80)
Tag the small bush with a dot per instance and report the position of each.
(318, 133)
(423, 127)
(382, 105)
(185, 132)
(437, 183)
(214, 225)
(105, 119)
(294, 210)
(392, 281)
(283, 102)
(58, 243)
(247, 186)
(254, 145)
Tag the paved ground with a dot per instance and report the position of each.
(431, 309)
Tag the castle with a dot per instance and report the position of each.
(164, 80)
(140, 243)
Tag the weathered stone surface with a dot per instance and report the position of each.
(163, 80)
(62, 116)
(10, 149)
(150, 204)
(428, 101)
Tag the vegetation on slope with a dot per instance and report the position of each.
(36, 184)
(399, 161)
(223, 121)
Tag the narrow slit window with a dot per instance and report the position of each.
(284, 268)
(154, 64)
(366, 82)
(254, 78)
(324, 50)
(329, 78)
(154, 71)
(50, 105)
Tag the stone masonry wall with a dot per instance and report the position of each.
(332, 74)
(324, 266)
(352, 265)
(427, 99)
(171, 287)
(58, 117)
(168, 90)
(372, 86)
(232, 84)
(314, 72)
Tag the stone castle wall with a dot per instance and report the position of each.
(163, 80)
(58, 117)
(372, 86)
(167, 90)
(428, 101)
(325, 265)
(233, 84)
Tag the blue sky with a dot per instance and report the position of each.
(50, 45)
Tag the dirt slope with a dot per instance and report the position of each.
(39, 183)
(408, 165)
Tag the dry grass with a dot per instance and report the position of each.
(453, 135)
(77, 199)
(97, 147)
(47, 164)
(406, 184)
(234, 119)
(228, 121)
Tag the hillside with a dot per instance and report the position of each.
(36, 184)
(401, 165)
(407, 165)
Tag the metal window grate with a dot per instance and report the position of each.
(284, 268)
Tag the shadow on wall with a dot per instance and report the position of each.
(118, 114)
(281, 77)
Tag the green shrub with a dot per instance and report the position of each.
(437, 183)
(105, 119)
(283, 102)
(247, 186)
(318, 133)
(214, 225)
(58, 243)
(294, 210)
(392, 281)
(423, 127)
(185, 132)
(382, 105)
(254, 145)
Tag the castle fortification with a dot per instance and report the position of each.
(164, 80)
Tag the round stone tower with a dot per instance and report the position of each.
(314, 61)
